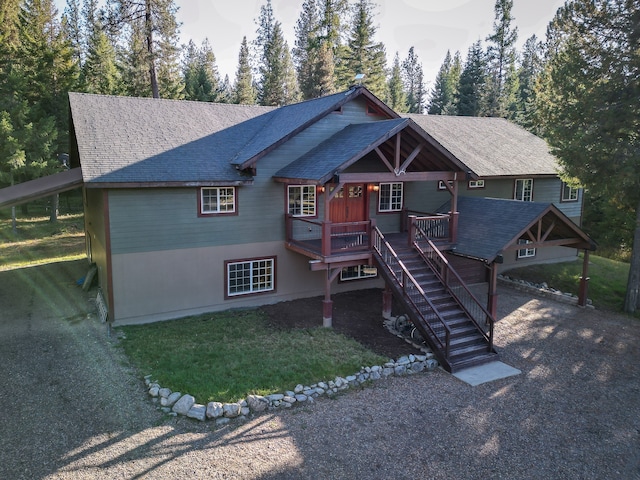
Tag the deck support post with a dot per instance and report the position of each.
(387, 302)
(492, 297)
(327, 303)
(584, 281)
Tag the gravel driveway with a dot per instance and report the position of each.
(71, 408)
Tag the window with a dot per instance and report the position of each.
(390, 197)
(476, 184)
(524, 189)
(251, 276)
(302, 200)
(526, 252)
(217, 200)
(569, 194)
(442, 185)
(358, 272)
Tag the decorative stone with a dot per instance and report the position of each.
(164, 392)
(183, 405)
(298, 388)
(375, 375)
(400, 370)
(153, 391)
(275, 397)
(289, 398)
(403, 361)
(214, 410)
(387, 371)
(231, 410)
(432, 364)
(198, 412)
(300, 397)
(171, 399)
(258, 403)
(220, 422)
(417, 367)
(323, 385)
(244, 411)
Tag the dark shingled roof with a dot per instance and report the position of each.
(145, 140)
(341, 150)
(490, 146)
(487, 225)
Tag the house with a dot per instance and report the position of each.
(196, 207)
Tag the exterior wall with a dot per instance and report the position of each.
(161, 285)
(543, 255)
(95, 231)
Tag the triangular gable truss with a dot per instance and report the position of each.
(551, 229)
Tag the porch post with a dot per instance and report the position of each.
(584, 281)
(387, 301)
(492, 297)
(453, 225)
(327, 303)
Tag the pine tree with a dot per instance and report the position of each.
(307, 44)
(244, 90)
(363, 54)
(470, 101)
(588, 104)
(443, 95)
(277, 84)
(531, 67)
(200, 73)
(152, 31)
(414, 82)
(396, 98)
(501, 55)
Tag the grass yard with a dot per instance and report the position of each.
(38, 241)
(226, 356)
(607, 284)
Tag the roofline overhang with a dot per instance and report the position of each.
(235, 183)
(40, 187)
(352, 93)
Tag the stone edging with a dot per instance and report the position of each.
(543, 290)
(176, 403)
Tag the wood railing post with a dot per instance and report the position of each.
(326, 239)
(453, 227)
(412, 229)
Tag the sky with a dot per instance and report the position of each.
(431, 26)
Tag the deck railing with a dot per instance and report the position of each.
(431, 324)
(328, 238)
(478, 314)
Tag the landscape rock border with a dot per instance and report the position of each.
(176, 403)
(542, 289)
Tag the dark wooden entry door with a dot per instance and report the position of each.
(349, 204)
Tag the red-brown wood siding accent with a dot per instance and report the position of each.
(107, 247)
(471, 271)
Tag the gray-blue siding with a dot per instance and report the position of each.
(143, 220)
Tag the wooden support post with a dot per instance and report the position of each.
(387, 301)
(584, 281)
(492, 296)
(327, 303)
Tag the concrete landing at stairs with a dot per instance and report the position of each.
(487, 372)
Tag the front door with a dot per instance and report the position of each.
(349, 204)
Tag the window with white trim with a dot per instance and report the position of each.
(476, 184)
(358, 272)
(302, 200)
(526, 252)
(523, 189)
(443, 186)
(390, 197)
(569, 194)
(215, 200)
(251, 276)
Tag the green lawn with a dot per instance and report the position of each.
(607, 284)
(226, 356)
(38, 241)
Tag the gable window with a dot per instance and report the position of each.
(302, 200)
(217, 200)
(443, 186)
(569, 194)
(250, 276)
(358, 272)
(390, 197)
(524, 189)
(526, 252)
(476, 184)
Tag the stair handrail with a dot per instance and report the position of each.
(444, 271)
(378, 239)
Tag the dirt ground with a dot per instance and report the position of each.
(357, 315)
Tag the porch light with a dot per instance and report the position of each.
(320, 189)
(375, 187)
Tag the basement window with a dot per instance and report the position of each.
(250, 276)
(358, 272)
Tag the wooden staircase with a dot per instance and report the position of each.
(452, 322)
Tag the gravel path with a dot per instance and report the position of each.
(72, 409)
